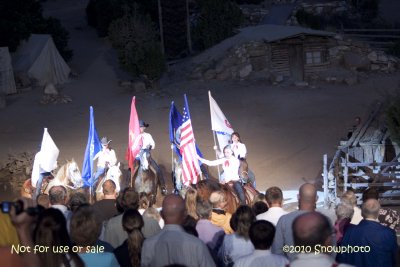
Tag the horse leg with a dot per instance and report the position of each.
(161, 181)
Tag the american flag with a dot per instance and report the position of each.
(190, 164)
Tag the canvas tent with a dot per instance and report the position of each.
(40, 59)
(7, 83)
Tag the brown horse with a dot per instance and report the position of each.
(206, 187)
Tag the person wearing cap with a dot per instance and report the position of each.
(149, 144)
(105, 158)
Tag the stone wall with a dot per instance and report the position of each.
(349, 59)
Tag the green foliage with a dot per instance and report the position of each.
(20, 18)
(393, 119)
(136, 40)
(217, 21)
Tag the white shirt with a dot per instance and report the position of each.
(261, 258)
(272, 215)
(229, 165)
(357, 217)
(312, 260)
(106, 156)
(147, 141)
(239, 150)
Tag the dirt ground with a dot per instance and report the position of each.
(286, 129)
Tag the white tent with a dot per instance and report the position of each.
(7, 83)
(40, 59)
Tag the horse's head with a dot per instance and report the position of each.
(144, 159)
(74, 174)
(114, 173)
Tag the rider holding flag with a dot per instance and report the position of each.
(106, 158)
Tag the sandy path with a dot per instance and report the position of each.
(286, 129)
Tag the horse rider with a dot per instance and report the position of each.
(39, 171)
(149, 144)
(230, 165)
(240, 151)
(106, 158)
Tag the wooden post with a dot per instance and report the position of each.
(346, 172)
(325, 176)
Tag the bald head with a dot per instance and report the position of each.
(109, 188)
(310, 229)
(370, 209)
(173, 209)
(307, 197)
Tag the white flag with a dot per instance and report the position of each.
(219, 124)
(46, 158)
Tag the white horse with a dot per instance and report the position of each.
(68, 175)
(113, 173)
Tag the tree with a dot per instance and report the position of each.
(20, 18)
(217, 20)
(136, 40)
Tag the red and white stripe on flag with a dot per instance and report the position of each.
(190, 164)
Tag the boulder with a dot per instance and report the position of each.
(245, 71)
(224, 75)
(50, 89)
(373, 56)
(210, 74)
(355, 61)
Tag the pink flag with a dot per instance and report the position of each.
(134, 141)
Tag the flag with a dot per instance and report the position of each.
(175, 123)
(46, 158)
(219, 124)
(134, 143)
(175, 126)
(92, 148)
(190, 164)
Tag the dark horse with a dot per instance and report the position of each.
(146, 178)
(206, 187)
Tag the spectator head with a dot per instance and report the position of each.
(85, 227)
(58, 195)
(259, 207)
(217, 199)
(152, 213)
(132, 222)
(144, 201)
(77, 199)
(311, 229)
(262, 234)
(344, 210)
(190, 202)
(204, 209)
(43, 200)
(244, 217)
(173, 209)
(109, 188)
(370, 193)
(50, 231)
(274, 196)
(307, 197)
(370, 209)
(130, 199)
(349, 197)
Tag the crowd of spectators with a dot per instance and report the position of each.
(126, 230)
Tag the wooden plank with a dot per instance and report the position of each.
(366, 125)
(371, 30)
(372, 164)
(373, 36)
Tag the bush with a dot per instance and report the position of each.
(136, 40)
(217, 21)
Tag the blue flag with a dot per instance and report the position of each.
(175, 123)
(92, 148)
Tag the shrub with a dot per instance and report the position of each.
(136, 40)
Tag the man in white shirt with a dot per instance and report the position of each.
(149, 144)
(274, 197)
(106, 158)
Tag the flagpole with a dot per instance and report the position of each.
(216, 155)
(172, 166)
